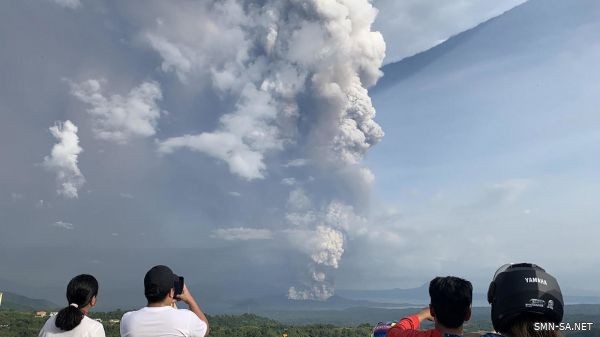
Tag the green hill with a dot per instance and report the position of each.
(12, 301)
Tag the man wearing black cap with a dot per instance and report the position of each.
(161, 318)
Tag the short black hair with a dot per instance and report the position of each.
(156, 297)
(451, 299)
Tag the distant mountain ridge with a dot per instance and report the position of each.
(282, 303)
(12, 301)
(419, 295)
(494, 39)
(354, 316)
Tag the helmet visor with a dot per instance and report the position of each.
(511, 265)
(502, 269)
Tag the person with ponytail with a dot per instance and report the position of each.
(72, 321)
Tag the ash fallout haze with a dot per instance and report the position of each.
(237, 142)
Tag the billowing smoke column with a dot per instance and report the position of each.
(298, 72)
(321, 235)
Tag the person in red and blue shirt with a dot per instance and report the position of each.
(450, 308)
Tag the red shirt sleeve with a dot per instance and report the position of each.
(407, 327)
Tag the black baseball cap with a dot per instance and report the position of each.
(159, 280)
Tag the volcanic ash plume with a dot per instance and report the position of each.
(323, 244)
(298, 72)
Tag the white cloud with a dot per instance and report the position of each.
(242, 234)
(121, 118)
(63, 225)
(412, 26)
(64, 158)
(72, 4)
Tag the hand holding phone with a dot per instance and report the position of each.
(179, 284)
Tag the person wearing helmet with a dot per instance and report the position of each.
(521, 295)
(450, 307)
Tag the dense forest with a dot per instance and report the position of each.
(25, 324)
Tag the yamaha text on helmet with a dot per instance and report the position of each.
(524, 289)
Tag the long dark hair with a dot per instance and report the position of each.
(80, 291)
(524, 326)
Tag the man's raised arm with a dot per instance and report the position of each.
(409, 325)
(187, 297)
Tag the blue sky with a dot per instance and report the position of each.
(239, 144)
(499, 135)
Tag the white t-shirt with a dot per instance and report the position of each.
(162, 322)
(87, 328)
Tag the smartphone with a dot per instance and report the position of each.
(178, 286)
